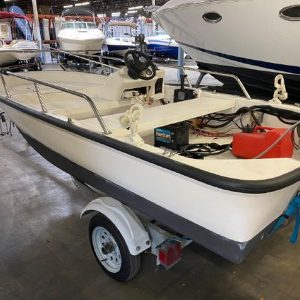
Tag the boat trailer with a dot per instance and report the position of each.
(118, 235)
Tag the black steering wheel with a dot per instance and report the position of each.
(139, 65)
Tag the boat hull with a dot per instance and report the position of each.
(163, 50)
(90, 45)
(12, 53)
(162, 46)
(118, 47)
(89, 41)
(230, 227)
(264, 45)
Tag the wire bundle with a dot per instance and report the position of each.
(218, 121)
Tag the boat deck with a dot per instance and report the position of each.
(164, 114)
(62, 106)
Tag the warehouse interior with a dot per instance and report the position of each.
(133, 171)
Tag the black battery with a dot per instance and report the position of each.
(172, 136)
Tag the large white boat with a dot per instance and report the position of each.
(137, 139)
(79, 35)
(14, 50)
(254, 39)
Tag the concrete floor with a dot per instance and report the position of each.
(45, 254)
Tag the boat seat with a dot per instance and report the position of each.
(164, 115)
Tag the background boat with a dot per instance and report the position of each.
(162, 45)
(225, 36)
(12, 49)
(120, 38)
(78, 35)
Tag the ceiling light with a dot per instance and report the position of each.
(68, 6)
(132, 11)
(82, 3)
(135, 7)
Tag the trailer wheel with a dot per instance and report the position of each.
(111, 251)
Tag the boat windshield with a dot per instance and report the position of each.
(67, 25)
(78, 25)
(91, 25)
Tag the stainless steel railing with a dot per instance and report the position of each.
(236, 78)
(85, 58)
(91, 61)
(37, 82)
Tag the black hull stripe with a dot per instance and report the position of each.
(249, 61)
(225, 183)
(234, 251)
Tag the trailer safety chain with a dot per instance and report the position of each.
(293, 210)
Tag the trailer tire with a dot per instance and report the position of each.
(111, 251)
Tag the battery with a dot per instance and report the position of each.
(172, 136)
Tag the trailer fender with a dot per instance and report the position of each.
(129, 225)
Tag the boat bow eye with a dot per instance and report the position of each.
(290, 13)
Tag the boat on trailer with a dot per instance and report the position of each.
(165, 153)
(254, 40)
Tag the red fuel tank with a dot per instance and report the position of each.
(249, 145)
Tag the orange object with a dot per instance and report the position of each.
(250, 145)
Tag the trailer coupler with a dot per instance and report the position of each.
(293, 210)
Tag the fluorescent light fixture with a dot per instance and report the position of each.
(132, 11)
(116, 14)
(82, 3)
(68, 6)
(135, 7)
(101, 15)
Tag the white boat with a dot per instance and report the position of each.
(254, 40)
(124, 41)
(224, 203)
(14, 50)
(78, 35)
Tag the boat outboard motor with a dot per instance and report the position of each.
(140, 65)
(183, 93)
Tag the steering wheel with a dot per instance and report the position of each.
(139, 65)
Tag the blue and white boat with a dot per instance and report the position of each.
(120, 38)
(162, 45)
(255, 40)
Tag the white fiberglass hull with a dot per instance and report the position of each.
(119, 46)
(80, 40)
(250, 39)
(232, 217)
(17, 51)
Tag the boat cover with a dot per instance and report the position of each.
(10, 15)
